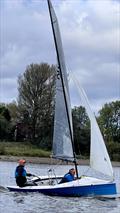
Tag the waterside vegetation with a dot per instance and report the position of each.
(22, 149)
(26, 126)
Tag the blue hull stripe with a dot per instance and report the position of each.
(77, 191)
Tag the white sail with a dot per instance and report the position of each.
(99, 158)
(62, 145)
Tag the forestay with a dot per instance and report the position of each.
(62, 145)
(99, 158)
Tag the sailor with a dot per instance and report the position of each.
(70, 176)
(20, 175)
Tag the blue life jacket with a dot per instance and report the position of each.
(20, 171)
(67, 178)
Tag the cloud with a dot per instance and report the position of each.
(90, 34)
(95, 45)
(9, 94)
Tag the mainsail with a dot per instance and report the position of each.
(99, 158)
(63, 131)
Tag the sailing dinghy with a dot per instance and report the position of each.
(63, 144)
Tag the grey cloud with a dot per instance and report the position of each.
(90, 34)
(8, 91)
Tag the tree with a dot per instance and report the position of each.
(109, 121)
(5, 122)
(81, 129)
(14, 112)
(5, 112)
(36, 93)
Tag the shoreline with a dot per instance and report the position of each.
(46, 160)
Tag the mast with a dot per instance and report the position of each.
(62, 81)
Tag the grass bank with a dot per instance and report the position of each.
(22, 149)
(13, 150)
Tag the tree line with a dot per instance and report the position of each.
(31, 117)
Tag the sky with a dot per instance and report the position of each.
(90, 31)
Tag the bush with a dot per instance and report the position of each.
(2, 150)
(114, 150)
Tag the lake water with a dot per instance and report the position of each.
(11, 202)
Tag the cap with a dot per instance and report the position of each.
(71, 169)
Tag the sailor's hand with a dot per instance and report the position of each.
(29, 174)
(33, 175)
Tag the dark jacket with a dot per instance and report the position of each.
(20, 175)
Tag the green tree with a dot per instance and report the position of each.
(14, 112)
(36, 92)
(5, 122)
(81, 129)
(109, 121)
(5, 112)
